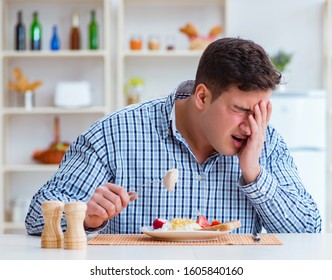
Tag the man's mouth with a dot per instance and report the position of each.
(238, 141)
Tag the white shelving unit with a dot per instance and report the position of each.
(23, 131)
(162, 18)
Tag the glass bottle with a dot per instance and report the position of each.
(35, 33)
(93, 32)
(19, 33)
(55, 41)
(75, 36)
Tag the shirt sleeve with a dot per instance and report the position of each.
(279, 196)
(82, 170)
(96, 230)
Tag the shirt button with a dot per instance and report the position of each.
(199, 177)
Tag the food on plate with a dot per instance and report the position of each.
(170, 179)
(176, 224)
(184, 224)
(203, 222)
(181, 224)
(215, 222)
(158, 223)
(225, 226)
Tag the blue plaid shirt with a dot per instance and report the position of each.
(140, 143)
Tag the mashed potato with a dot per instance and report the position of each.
(180, 224)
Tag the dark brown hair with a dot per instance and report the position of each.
(236, 62)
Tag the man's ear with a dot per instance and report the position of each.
(202, 96)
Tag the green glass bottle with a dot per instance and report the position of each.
(35, 33)
(93, 32)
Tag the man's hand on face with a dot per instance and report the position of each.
(251, 151)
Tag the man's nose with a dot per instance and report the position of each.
(245, 127)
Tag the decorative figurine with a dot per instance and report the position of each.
(197, 41)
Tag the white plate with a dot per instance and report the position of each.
(197, 235)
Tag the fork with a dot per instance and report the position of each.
(255, 236)
(141, 187)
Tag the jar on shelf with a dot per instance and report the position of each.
(154, 43)
(136, 43)
(134, 90)
(170, 43)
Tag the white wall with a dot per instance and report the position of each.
(292, 25)
(295, 26)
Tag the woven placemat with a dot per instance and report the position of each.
(141, 239)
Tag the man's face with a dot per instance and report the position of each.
(225, 121)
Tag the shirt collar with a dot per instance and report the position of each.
(183, 91)
(166, 126)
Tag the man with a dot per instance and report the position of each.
(232, 165)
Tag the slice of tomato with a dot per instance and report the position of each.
(215, 222)
(158, 223)
(203, 222)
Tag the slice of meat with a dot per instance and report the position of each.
(203, 222)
